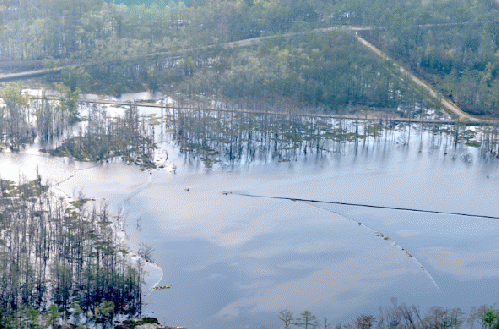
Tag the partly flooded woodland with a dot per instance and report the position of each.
(249, 214)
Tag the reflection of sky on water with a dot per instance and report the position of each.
(267, 254)
(305, 258)
(236, 261)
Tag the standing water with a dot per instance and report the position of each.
(255, 213)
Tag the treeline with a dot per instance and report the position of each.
(451, 44)
(394, 14)
(403, 317)
(225, 137)
(331, 72)
(460, 60)
(130, 137)
(60, 262)
(328, 71)
(232, 137)
(96, 30)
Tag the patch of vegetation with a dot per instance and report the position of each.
(81, 202)
(104, 138)
(452, 45)
(222, 137)
(16, 130)
(59, 260)
(23, 119)
(144, 320)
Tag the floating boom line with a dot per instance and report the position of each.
(393, 243)
(377, 233)
(369, 206)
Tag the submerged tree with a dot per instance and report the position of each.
(286, 316)
(16, 128)
(60, 259)
(128, 136)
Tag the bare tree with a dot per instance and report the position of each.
(145, 252)
(286, 316)
(364, 321)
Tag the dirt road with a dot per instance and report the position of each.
(446, 103)
(449, 105)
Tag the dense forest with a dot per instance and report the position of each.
(60, 261)
(329, 72)
(451, 44)
(181, 47)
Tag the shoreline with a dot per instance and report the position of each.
(365, 114)
(117, 219)
(374, 116)
(193, 107)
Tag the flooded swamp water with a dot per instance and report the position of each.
(243, 221)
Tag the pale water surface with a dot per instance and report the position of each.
(235, 261)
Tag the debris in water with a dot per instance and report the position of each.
(162, 287)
